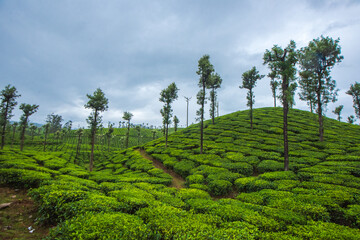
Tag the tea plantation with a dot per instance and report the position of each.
(235, 190)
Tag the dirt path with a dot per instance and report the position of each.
(177, 181)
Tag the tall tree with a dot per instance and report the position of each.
(28, 110)
(46, 133)
(316, 61)
(32, 129)
(351, 119)
(282, 65)
(68, 126)
(127, 117)
(55, 122)
(354, 91)
(274, 85)
(14, 125)
(79, 133)
(109, 134)
(205, 70)
(167, 96)
(338, 110)
(97, 103)
(187, 110)
(176, 123)
(249, 79)
(307, 89)
(8, 102)
(214, 83)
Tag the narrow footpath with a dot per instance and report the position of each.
(177, 181)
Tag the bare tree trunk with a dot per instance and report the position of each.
(91, 165)
(202, 122)
(285, 123)
(251, 112)
(166, 134)
(4, 127)
(319, 110)
(22, 137)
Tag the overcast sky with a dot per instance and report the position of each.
(56, 52)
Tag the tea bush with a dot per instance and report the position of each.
(103, 226)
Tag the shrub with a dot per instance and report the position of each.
(352, 214)
(102, 226)
(270, 166)
(283, 175)
(223, 175)
(184, 167)
(220, 187)
(51, 201)
(195, 179)
(135, 198)
(323, 230)
(188, 193)
(199, 186)
(55, 163)
(23, 178)
(240, 167)
(242, 184)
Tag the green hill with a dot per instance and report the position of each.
(235, 190)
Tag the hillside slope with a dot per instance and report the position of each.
(235, 190)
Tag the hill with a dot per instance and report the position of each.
(235, 190)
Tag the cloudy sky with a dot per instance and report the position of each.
(56, 52)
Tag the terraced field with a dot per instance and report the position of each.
(235, 190)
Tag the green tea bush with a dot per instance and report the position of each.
(199, 186)
(103, 226)
(184, 167)
(283, 175)
(239, 167)
(94, 202)
(195, 179)
(270, 166)
(51, 202)
(243, 184)
(220, 187)
(323, 230)
(55, 163)
(174, 223)
(223, 175)
(23, 178)
(352, 214)
(188, 193)
(134, 197)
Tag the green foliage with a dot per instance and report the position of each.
(103, 226)
(270, 166)
(220, 187)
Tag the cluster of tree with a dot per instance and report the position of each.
(8, 98)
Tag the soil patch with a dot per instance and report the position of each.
(17, 221)
(177, 181)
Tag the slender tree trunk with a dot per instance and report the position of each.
(202, 121)
(213, 105)
(251, 109)
(4, 126)
(321, 124)
(13, 136)
(187, 113)
(274, 93)
(91, 165)
(127, 135)
(285, 123)
(45, 141)
(22, 137)
(311, 107)
(166, 134)
(78, 146)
